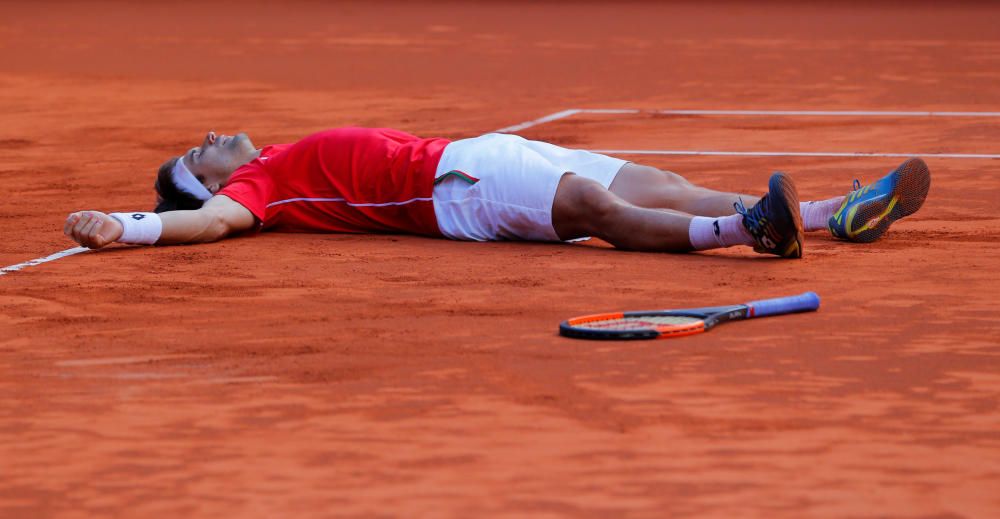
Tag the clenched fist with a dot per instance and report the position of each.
(92, 229)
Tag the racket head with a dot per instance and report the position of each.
(635, 325)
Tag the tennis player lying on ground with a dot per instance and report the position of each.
(494, 187)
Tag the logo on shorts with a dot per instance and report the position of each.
(138, 216)
(715, 224)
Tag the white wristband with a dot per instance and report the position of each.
(142, 228)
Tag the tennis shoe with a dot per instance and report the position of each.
(774, 222)
(867, 212)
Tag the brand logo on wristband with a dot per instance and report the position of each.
(138, 216)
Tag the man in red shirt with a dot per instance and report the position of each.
(493, 187)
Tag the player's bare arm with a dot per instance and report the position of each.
(218, 218)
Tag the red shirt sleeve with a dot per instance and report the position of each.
(251, 187)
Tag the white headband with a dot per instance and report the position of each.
(185, 181)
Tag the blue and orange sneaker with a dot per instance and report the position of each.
(775, 222)
(867, 212)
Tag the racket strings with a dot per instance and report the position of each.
(643, 322)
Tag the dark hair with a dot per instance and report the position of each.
(168, 197)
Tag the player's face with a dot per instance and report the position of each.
(218, 157)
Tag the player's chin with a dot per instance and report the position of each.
(242, 140)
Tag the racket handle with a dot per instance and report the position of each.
(806, 302)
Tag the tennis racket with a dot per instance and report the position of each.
(664, 324)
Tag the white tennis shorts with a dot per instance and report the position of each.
(517, 181)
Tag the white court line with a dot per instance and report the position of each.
(46, 259)
(794, 113)
(821, 113)
(540, 120)
(824, 113)
(798, 154)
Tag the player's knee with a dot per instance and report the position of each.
(656, 176)
(583, 207)
(675, 189)
(673, 184)
(601, 204)
(676, 180)
(599, 208)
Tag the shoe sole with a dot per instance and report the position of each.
(782, 184)
(910, 183)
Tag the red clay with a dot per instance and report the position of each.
(319, 375)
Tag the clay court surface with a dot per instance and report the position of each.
(338, 375)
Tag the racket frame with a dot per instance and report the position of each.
(708, 317)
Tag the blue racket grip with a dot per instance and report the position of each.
(806, 302)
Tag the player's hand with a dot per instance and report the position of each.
(92, 229)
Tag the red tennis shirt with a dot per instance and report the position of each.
(355, 180)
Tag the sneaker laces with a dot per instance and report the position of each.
(755, 213)
(855, 190)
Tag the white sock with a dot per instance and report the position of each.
(815, 215)
(712, 233)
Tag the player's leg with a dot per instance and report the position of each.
(583, 207)
(647, 186)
